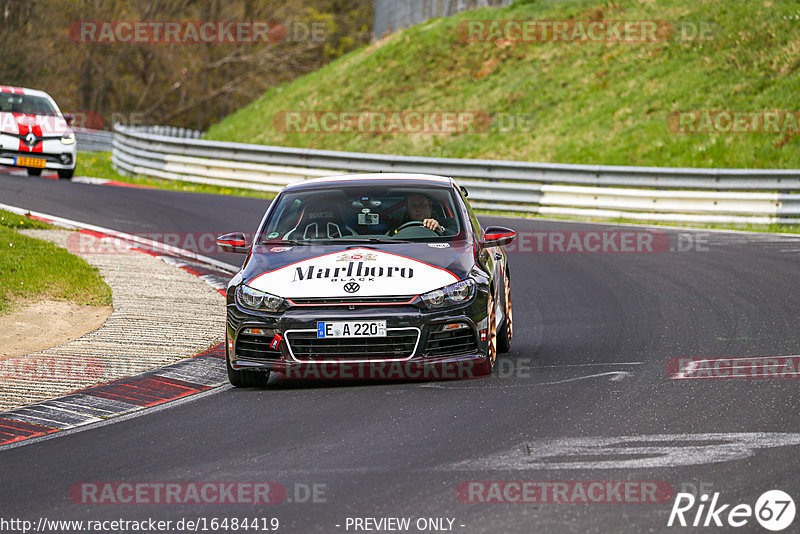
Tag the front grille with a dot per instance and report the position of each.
(339, 301)
(254, 347)
(398, 344)
(452, 343)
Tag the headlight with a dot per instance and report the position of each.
(68, 139)
(449, 296)
(254, 299)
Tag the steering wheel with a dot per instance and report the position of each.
(409, 224)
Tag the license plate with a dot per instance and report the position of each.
(351, 329)
(31, 162)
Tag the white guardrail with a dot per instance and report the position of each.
(594, 191)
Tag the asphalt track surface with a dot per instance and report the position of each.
(593, 335)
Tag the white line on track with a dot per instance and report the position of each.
(616, 376)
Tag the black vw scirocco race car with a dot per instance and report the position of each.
(368, 276)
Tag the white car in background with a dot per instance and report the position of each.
(34, 134)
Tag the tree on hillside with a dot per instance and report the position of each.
(191, 84)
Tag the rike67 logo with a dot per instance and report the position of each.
(774, 510)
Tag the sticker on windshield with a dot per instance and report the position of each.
(273, 235)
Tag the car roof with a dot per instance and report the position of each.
(371, 179)
(22, 91)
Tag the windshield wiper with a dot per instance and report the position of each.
(333, 241)
(370, 240)
(286, 242)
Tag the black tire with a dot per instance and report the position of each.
(503, 343)
(34, 171)
(507, 329)
(65, 174)
(246, 379)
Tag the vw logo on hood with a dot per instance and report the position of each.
(351, 287)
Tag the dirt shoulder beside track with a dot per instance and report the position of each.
(41, 325)
(161, 314)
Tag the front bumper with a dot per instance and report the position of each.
(52, 153)
(416, 346)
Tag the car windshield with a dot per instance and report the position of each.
(28, 104)
(364, 214)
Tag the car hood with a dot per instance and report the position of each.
(40, 125)
(357, 271)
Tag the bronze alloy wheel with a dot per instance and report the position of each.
(491, 334)
(509, 312)
(505, 331)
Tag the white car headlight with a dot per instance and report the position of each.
(68, 139)
(253, 299)
(450, 295)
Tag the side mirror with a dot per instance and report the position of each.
(234, 242)
(498, 236)
(68, 118)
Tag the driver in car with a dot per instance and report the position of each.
(420, 208)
